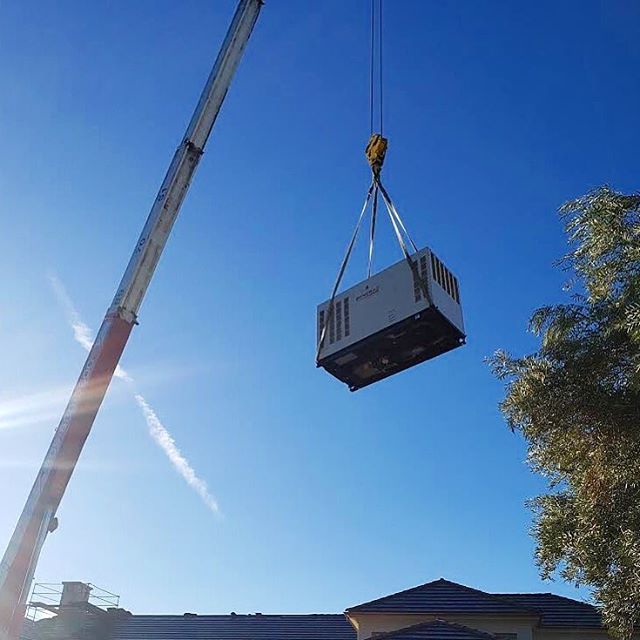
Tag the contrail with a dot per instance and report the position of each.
(161, 436)
(166, 442)
(81, 331)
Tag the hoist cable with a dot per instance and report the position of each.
(372, 65)
(375, 60)
(343, 266)
(377, 146)
(380, 85)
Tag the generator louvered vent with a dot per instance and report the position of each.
(445, 278)
(340, 324)
(422, 270)
(347, 318)
(332, 326)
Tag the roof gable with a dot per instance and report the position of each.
(443, 596)
(436, 630)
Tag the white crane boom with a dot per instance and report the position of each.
(38, 516)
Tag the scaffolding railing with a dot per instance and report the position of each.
(46, 598)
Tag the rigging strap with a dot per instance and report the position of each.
(400, 231)
(372, 234)
(343, 266)
(396, 222)
(393, 209)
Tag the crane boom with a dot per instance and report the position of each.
(38, 515)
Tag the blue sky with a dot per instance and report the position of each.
(497, 113)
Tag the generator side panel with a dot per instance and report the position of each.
(373, 305)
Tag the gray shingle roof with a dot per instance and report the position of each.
(558, 611)
(439, 598)
(234, 627)
(443, 596)
(436, 630)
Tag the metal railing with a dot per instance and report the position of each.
(46, 597)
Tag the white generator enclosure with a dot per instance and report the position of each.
(385, 325)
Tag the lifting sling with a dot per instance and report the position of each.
(375, 152)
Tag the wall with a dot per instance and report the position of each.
(367, 624)
(525, 628)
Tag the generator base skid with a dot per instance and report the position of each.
(423, 336)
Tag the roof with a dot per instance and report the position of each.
(558, 611)
(442, 596)
(445, 597)
(234, 627)
(438, 599)
(436, 630)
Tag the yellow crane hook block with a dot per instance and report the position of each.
(375, 151)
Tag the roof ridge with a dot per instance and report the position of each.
(493, 595)
(450, 582)
(548, 593)
(397, 593)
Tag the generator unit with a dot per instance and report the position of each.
(386, 323)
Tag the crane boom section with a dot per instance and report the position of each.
(165, 209)
(38, 516)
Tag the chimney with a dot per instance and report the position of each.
(75, 593)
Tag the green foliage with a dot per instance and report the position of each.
(577, 403)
